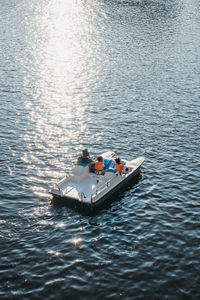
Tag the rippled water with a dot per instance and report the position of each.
(106, 75)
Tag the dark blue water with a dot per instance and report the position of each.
(106, 75)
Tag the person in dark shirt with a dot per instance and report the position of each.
(85, 158)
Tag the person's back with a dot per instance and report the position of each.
(119, 165)
(85, 158)
(99, 165)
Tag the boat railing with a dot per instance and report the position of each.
(67, 176)
(67, 192)
(103, 186)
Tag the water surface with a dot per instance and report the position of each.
(106, 75)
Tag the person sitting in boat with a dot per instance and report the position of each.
(119, 166)
(85, 158)
(99, 165)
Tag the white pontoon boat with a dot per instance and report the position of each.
(83, 188)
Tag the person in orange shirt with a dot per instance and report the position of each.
(119, 165)
(99, 165)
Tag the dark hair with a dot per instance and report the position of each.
(118, 160)
(99, 158)
(85, 153)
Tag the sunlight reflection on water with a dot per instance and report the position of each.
(76, 241)
(60, 52)
(106, 75)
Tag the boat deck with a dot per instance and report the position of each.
(88, 187)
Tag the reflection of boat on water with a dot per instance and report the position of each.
(82, 188)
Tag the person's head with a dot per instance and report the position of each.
(100, 158)
(85, 153)
(118, 160)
